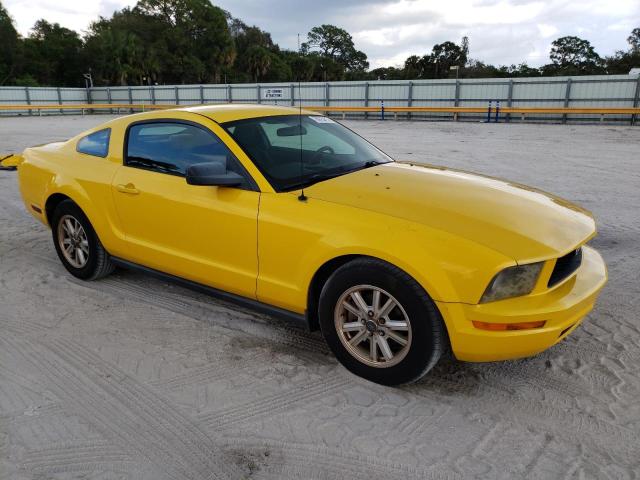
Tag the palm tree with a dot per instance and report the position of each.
(259, 60)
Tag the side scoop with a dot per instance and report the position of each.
(10, 161)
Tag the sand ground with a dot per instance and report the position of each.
(131, 377)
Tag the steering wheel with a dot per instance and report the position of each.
(321, 151)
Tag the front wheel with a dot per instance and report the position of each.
(77, 244)
(380, 323)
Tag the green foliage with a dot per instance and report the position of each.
(634, 40)
(9, 52)
(622, 62)
(335, 51)
(54, 54)
(193, 41)
(573, 56)
(387, 73)
(477, 69)
(25, 80)
(124, 49)
(257, 58)
(438, 63)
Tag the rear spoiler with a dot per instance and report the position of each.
(10, 161)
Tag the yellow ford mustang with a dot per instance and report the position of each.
(296, 215)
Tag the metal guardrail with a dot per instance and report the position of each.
(524, 111)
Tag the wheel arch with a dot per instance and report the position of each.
(318, 280)
(52, 203)
(323, 273)
(100, 219)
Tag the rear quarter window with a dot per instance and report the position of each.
(96, 144)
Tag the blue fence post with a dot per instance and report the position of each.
(382, 109)
(497, 110)
(489, 112)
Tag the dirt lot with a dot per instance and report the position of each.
(130, 377)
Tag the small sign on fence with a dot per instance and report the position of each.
(272, 93)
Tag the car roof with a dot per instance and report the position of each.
(235, 111)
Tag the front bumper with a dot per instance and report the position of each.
(562, 308)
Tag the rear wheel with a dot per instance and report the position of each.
(380, 323)
(77, 244)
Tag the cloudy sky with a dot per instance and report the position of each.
(388, 31)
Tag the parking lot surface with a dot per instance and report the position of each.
(131, 377)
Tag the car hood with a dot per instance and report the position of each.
(518, 221)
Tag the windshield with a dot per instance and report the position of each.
(295, 151)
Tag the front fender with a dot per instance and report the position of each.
(297, 238)
(449, 268)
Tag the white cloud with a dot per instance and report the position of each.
(76, 15)
(388, 31)
(547, 30)
(500, 31)
(468, 12)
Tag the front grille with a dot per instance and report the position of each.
(565, 266)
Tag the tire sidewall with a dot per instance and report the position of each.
(67, 207)
(424, 350)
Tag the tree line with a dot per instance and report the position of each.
(193, 41)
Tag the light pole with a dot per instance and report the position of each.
(88, 80)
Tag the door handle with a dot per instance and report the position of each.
(129, 188)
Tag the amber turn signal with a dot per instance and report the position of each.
(508, 326)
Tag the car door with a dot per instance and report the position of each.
(206, 234)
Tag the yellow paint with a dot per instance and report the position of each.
(10, 160)
(451, 231)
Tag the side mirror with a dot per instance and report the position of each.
(213, 174)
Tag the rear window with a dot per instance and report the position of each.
(96, 144)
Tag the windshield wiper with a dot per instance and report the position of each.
(315, 178)
(371, 163)
(319, 177)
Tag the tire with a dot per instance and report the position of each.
(425, 336)
(93, 262)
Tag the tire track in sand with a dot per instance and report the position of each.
(127, 412)
(71, 457)
(225, 315)
(273, 404)
(296, 460)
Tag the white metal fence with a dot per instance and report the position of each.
(609, 91)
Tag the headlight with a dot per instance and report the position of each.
(512, 282)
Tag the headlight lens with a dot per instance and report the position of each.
(512, 282)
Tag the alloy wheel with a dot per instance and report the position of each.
(73, 241)
(373, 326)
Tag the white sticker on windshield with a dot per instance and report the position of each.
(319, 119)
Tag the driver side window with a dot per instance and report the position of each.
(172, 147)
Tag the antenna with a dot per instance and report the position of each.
(302, 197)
